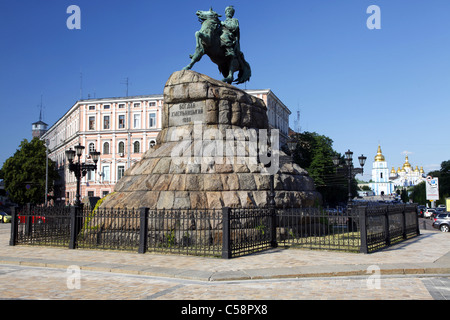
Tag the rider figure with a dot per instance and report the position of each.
(230, 35)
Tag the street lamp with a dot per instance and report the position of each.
(80, 169)
(292, 145)
(348, 169)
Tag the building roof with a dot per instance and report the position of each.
(40, 122)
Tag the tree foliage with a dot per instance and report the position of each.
(314, 153)
(24, 173)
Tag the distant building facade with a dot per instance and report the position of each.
(380, 183)
(122, 130)
(38, 129)
(385, 181)
(406, 175)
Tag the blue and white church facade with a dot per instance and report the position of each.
(385, 181)
(380, 183)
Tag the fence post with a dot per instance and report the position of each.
(363, 229)
(143, 230)
(417, 221)
(14, 226)
(404, 222)
(74, 226)
(273, 227)
(386, 227)
(28, 220)
(226, 238)
(273, 218)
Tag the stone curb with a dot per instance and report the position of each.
(441, 266)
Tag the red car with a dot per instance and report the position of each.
(34, 219)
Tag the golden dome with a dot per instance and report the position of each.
(393, 170)
(406, 164)
(421, 170)
(416, 169)
(379, 157)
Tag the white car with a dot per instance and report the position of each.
(428, 213)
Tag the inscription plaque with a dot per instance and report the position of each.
(186, 113)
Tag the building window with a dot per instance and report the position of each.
(91, 107)
(152, 120)
(90, 175)
(137, 105)
(106, 148)
(106, 106)
(152, 104)
(121, 121)
(106, 122)
(92, 123)
(90, 193)
(91, 147)
(120, 172)
(104, 193)
(121, 147)
(121, 105)
(137, 121)
(152, 143)
(136, 147)
(105, 173)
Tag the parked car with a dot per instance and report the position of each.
(421, 210)
(442, 222)
(436, 212)
(428, 213)
(4, 217)
(34, 219)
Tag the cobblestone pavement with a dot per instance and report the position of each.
(22, 282)
(416, 269)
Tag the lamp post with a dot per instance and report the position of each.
(80, 169)
(348, 168)
(292, 145)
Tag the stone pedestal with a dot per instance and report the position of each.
(211, 153)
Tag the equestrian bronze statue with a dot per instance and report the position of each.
(220, 40)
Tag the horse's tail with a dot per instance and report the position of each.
(245, 72)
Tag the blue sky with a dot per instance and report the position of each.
(359, 87)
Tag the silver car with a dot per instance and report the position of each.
(442, 222)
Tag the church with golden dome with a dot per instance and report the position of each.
(406, 175)
(385, 181)
(380, 182)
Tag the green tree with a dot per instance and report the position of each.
(24, 173)
(418, 194)
(314, 153)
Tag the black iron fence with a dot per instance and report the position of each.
(226, 233)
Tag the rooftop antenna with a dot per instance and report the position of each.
(127, 83)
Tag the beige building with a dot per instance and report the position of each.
(122, 130)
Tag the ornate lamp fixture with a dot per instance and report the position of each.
(80, 169)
